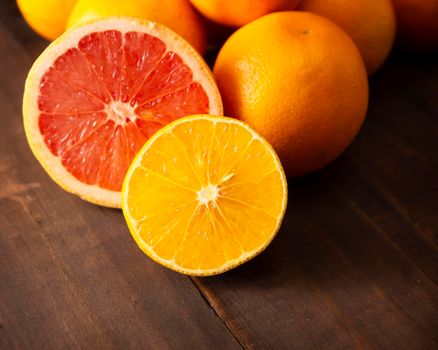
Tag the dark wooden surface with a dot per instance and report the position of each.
(355, 265)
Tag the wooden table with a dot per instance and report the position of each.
(355, 264)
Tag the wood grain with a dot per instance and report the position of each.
(355, 265)
(70, 274)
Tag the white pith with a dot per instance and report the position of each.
(120, 112)
(208, 194)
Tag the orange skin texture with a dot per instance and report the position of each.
(417, 22)
(46, 17)
(370, 23)
(178, 15)
(236, 13)
(299, 80)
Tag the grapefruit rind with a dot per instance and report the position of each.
(131, 222)
(52, 164)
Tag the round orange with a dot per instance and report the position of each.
(237, 13)
(370, 23)
(178, 15)
(299, 80)
(417, 22)
(46, 17)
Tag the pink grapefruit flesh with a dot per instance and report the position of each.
(103, 97)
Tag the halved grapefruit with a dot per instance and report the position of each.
(99, 91)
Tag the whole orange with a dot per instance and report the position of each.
(370, 23)
(237, 13)
(417, 24)
(178, 15)
(299, 80)
(46, 17)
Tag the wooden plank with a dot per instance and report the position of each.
(70, 274)
(355, 263)
(354, 266)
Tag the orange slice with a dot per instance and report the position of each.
(98, 92)
(204, 195)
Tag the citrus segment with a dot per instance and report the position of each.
(100, 91)
(204, 195)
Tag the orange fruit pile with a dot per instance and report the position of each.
(122, 110)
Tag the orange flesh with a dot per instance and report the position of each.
(100, 102)
(204, 195)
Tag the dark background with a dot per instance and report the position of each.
(355, 264)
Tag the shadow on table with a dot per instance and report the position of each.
(330, 236)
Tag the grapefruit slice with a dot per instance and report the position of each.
(98, 92)
(204, 195)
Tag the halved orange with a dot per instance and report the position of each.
(204, 195)
(98, 92)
